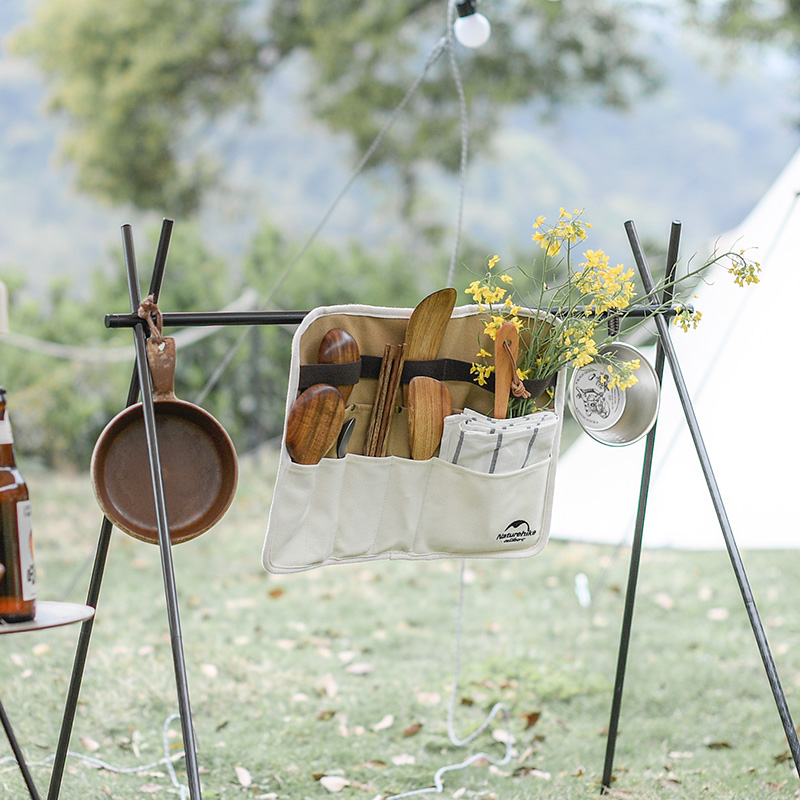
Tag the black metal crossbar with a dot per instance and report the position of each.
(195, 319)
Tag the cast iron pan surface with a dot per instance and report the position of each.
(198, 464)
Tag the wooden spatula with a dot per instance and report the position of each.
(338, 347)
(429, 402)
(314, 423)
(427, 325)
(505, 366)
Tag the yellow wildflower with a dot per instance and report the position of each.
(512, 307)
(493, 295)
(492, 327)
(745, 272)
(481, 372)
(475, 290)
(686, 318)
(493, 261)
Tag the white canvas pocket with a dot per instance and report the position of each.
(360, 508)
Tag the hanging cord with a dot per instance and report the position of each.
(168, 761)
(437, 50)
(517, 386)
(464, 125)
(148, 310)
(497, 709)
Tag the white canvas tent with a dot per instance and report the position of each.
(743, 377)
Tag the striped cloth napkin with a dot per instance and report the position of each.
(496, 446)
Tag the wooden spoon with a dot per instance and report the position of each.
(314, 423)
(505, 366)
(429, 402)
(338, 347)
(427, 325)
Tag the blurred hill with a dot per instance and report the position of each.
(701, 150)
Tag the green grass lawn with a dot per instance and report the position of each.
(346, 672)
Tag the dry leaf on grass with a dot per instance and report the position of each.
(503, 736)
(532, 772)
(244, 777)
(531, 718)
(385, 723)
(90, 744)
(403, 760)
(209, 670)
(413, 729)
(329, 687)
(665, 601)
(333, 783)
(362, 668)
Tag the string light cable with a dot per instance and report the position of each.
(496, 711)
(167, 760)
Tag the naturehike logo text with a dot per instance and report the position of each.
(517, 531)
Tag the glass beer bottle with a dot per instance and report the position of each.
(18, 584)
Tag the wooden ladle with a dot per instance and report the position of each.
(339, 347)
(429, 402)
(506, 349)
(314, 423)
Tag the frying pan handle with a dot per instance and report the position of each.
(161, 358)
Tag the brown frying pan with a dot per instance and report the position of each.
(198, 461)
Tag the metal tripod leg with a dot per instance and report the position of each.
(165, 542)
(17, 750)
(101, 555)
(730, 542)
(636, 546)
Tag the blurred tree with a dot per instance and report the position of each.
(139, 82)
(750, 20)
(62, 405)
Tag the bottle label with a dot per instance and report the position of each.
(27, 568)
(6, 434)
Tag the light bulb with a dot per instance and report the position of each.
(471, 28)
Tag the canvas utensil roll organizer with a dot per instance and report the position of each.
(360, 508)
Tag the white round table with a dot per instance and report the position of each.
(49, 614)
